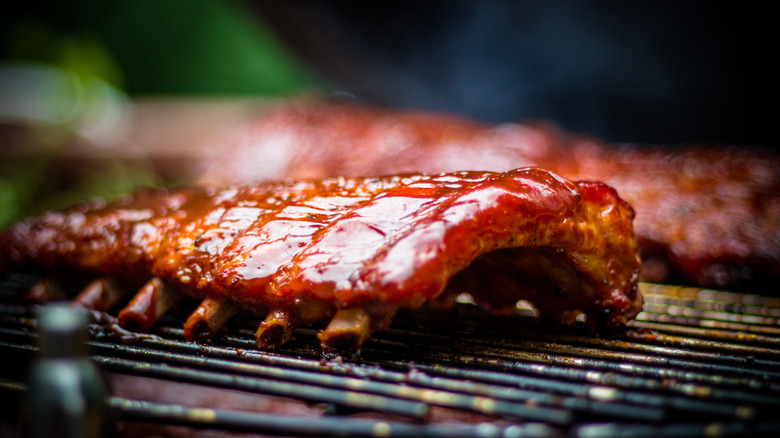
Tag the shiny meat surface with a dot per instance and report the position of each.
(354, 249)
(706, 215)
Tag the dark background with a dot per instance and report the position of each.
(641, 71)
(638, 71)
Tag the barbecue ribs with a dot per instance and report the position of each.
(352, 250)
(706, 215)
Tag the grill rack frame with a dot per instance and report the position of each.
(696, 362)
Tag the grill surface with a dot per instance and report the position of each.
(694, 363)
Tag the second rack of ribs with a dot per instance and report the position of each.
(354, 250)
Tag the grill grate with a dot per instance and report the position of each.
(694, 363)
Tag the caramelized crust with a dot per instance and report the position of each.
(309, 249)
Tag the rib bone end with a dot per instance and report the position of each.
(150, 303)
(347, 331)
(276, 329)
(102, 294)
(208, 318)
(44, 291)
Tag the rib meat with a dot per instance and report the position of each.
(706, 215)
(354, 250)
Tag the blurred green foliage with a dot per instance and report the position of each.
(142, 48)
(158, 47)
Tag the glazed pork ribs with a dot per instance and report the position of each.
(706, 215)
(348, 250)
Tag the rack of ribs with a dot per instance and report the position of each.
(346, 251)
(707, 215)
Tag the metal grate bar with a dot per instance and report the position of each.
(655, 384)
(343, 397)
(748, 331)
(418, 386)
(700, 391)
(677, 403)
(738, 354)
(197, 361)
(704, 429)
(654, 399)
(410, 377)
(353, 391)
(576, 356)
(220, 419)
(507, 329)
(695, 362)
(350, 392)
(764, 313)
(693, 314)
(205, 418)
(708, 333)
(705, 296)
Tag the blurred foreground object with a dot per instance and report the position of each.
(706, 214)
(66, 395)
